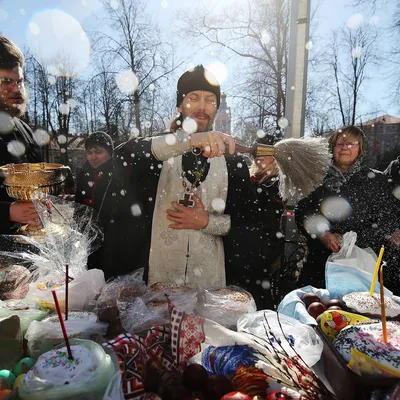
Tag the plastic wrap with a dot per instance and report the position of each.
(81, 291)
(90, 384)
(45, 335)
(293, 306)
(122, 288)
(225, 305)
(152, 307)
(14, 282)
(351, 269)
(25, 311)
(290, 333)
(70, 233)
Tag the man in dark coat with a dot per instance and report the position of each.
(188, 212)
(16, 141)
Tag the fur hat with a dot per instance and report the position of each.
(197, 78)
(100, 139)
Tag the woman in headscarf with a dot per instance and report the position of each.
(354, 198)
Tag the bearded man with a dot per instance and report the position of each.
(196, 217)
(16, 140)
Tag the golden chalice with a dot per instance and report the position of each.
(22, 180)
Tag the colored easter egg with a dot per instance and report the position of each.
(23, 369)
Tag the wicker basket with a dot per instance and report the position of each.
(21, 180)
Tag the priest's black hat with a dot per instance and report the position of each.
(197, 78)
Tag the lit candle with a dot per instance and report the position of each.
(375, 276)
(383, 310)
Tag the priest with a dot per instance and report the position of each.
(188, 212)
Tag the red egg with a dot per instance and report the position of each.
(315, 309)
(236, 396)
(336, 302)
(309, 298)
(216, 387)
(335, 308)
(195, 377)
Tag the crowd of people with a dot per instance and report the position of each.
(184, 206)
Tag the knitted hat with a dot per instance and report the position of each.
(100, 139)
(197, 78)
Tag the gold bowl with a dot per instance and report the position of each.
(21, 180)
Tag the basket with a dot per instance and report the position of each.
(346, 384)
(21, 180)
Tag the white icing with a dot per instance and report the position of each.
(54, 366)
(363, 303)
(74, 316)
(368, 339)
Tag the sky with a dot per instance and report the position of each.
(16, 17)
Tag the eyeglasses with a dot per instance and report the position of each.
(8, 83)
(348, 145)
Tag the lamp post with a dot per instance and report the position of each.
(296, 80)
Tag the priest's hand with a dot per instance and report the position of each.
(213, 143)
(188, 217)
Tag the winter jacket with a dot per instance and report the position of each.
(369, 209)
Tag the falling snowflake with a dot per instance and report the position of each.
(355, 21)
(114, 4)
(52, 80)
(283, 123)
(260, 134)
(189, 125)
(16, 148)
(216, 73)
(357, 52)
(6, 123)
(127, 82)
(134, 132)
(316, 224)
(218, 205)
(71, 103)
(265, 37)
(309, 45)
(63, 109)
(62, 139)
(170, 139)
(41, 137)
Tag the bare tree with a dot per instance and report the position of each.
(255, 34)
(341, 72)
(139, 49)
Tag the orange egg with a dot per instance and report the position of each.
(4, 393)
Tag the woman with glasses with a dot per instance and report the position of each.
(354, 198)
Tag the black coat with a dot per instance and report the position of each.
(127, 245)
(374, 217)
(92, 185)
(33, 154)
